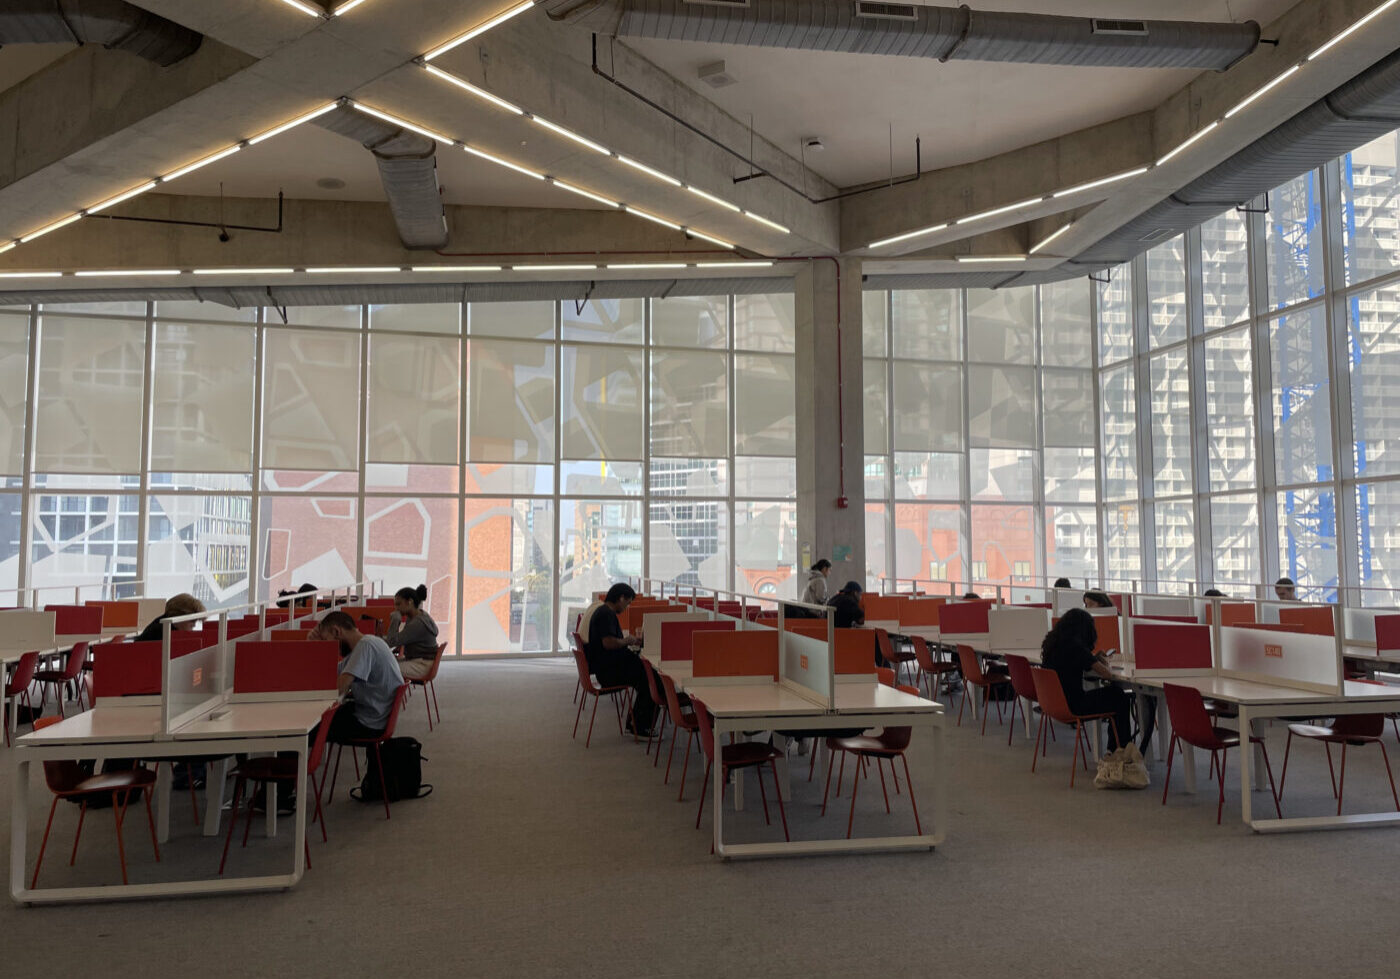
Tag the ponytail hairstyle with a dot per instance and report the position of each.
(417, 595)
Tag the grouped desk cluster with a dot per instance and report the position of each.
(246, 681)
(754, 669)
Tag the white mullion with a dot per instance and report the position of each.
(255, 579)
(557, 543)
(27, 491)
(143, 502)
(1344, 482)
(1198, 409)
(1039, 557)
(464, 441)
(362, 446)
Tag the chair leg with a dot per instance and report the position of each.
(1011, 726)
(855, 784)
(1278, 808)
(427, 709)
(1074, 761)
(432, 688)
(151, 823)
(589, 740)
(248, 823)
(675, 730)
(704, 787)
(962, 702)
(830, 764)
(232, 820)
(1330, 771)
(45, 842)
(82, 814)
(918, 827)
(319, 815)
(1283, 776)
(1166, 783)
(577, 714)
(1039, 734)
(335, 772)
(763, 794)
(881, 769)
(117, 813)
(578, 686)
(812, 763)
(685, 766)
(987, 696)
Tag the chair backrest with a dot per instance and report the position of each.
(707, 731)
(673, 702)
(1359, 725)
(77, 656)
(400, 695)
(1050, 695)
(651, 680)
(60, 776)
(583, 672)
(922, 654)
(885, 675)
(578, 642)
(971, 667)
(369, 625)
(437, 662)
(883, 646)
(898, 738)
(1190, 722)
(23, 675)
(318, 745)
(1021, 680)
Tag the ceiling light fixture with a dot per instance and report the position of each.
(7, 246)
(1354, 27)
(646, 265)
(93, 273)
(243, 271)
(1051, 237)
(112, 201)
(552, 268)
(305, 8)
(480, 29)
(714, 200)
(989, 258)
(456, 268)
(710, 238)
(503, 163)
(191, 167)
(346, 7)
(403, 123)
(1005, 209)
(761, 220)
(1248, 100)
(651, 217)
(1189, 141)
(357, 270)
(665, 178)
(733, 265)
(570, 134)
(1104, 181)
(292, 124)
(931, 229)
(60, 223)
(28, 275)
(583, 193)
(480, 93)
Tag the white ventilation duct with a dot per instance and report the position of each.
(913, 30)
(407, 169)
(114, 24)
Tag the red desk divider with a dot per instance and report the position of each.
(1107, 628)
(708, 604)
(279, 667)
(677, 637)
(1316, 620)
(118, 615)
(732, 609)
(1171, 647)
(1191, 619)
(275, 615)
(1123, 603)
(963, 618)
(749, 653)
(1388, 632)
(76, 620)
(816, 628)
(131, 669)
(855, 651)
(379, 602)
(242, 627)
(1232, 613)
(285, 634)
(1035, 605)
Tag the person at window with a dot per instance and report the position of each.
(1213, 593)
(1286, 590)
(612, 657)
(1068, 649)
(1062, 583)
(815, 592)
(413, 632)
(1097, 599)
(846, 602)
(369, 677)
(175, 606)
(971, 596)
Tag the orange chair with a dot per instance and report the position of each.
(1053, 707)
(886, 649)
(681, 720)
(17, 688)
(71, 672)
(1346, 729)
(1192, 725)
(66, 780)
(426, 682)
(662, 706)
(400, 695)
(578, 645)
(931, 669)
(745, 754)
(586, 684)
(281, 771)
(974, 677)
(885, 675)
(889, 744)
(1023, 684)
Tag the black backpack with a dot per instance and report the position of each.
(402, 777)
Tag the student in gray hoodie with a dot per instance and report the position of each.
(413, 629)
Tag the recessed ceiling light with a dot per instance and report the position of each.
(330, 183)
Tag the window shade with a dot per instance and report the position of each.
(511, 388)
(90, 381)
(202, 398)
(413, 399)
(311, 400)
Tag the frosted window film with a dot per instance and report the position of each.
(1069, 407)
(602, 403)
(1001, 406)
(413, 399)
(764, 406)
(89, 410)
(511, 415)
(14, 380)
(689, 404)
(927, 407)
(311, 400)
(202, 399)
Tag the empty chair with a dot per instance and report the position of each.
(1346, 730)
(885, 675)
(1023, 685)
(589, 689)
(1191, 724)
(67, 780)
(71, 673)
(17, 688)
(732, 757)
(681, 720)
(1050, 694)
(931, 668)
(889, 744)
(426, 682)
(886, 649)
(974, 677)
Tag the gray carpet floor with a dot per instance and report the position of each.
(536, 857)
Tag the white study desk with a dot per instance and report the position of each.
(254, 727)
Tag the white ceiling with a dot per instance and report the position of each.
(964, 111)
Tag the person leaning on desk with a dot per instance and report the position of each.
(175, 605)
(368, 679)
(611, 656)
(1068, 649)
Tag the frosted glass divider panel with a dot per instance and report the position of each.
(1016, 628)
(196, 682)
(807, 664)
(24, 630)
(1283, 659)
(1066, 599)
(1163, 605)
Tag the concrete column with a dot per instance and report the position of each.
(828, 311)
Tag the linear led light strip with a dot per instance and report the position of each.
(535, 174)
(1229, 114)
(480, 29)
(311, 10)
(569, 134)
(385, 269)
(166, 178)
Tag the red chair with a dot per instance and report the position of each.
(745, 754)
(681, 720)
(974, 677)
(931, 669)
(71, 673)
(889, 744)
(885, 675)
(17, 688)
(1346, 729)
(886, 649)
(368, 743)
(281, 771)
(662, 705)
(1191, 724)
(578, 645)
(586, 685)
(1050, 694)
(1023, 685)
(66, 780)
(426, 682)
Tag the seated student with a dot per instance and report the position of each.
(1068, 649)
(413, 631)
(1286, 590)
(1213, 593)
(369, 677)
(1061, 582)
(847, 604)
(175, 606)
(971, 596)
(611, 659)
(1097, 599)
(285, 594)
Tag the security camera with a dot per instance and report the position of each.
(813, 144)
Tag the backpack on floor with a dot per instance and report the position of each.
(402, 777)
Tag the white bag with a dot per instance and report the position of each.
(1122, 769)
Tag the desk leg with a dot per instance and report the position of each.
(1164, 740)
(1261, 779)
(164, 776)
(19, 822)
(216, 777)
(299, 840)
(1246, 766)
(717, 798)
(1026, 706)
(270, 817)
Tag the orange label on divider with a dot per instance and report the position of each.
(802, 661)
(1271, 649)
(198, 675)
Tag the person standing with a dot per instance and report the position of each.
(413, 631)
(612, 659)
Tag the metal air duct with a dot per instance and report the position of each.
(114, 24)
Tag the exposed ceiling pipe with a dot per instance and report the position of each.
(115, 24)
(408, 170)
(916, 31)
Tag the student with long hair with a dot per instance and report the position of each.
(413, 632)
(1068, 649)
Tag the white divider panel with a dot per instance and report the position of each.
(651, 626)
(1359, 624)
(1163, 605)
(1025, 595)
(22, 631)
(1285, 659)
(1016, 628)
(150, 610)
(807, 663)
(1066, 599)
(195, 683)
(1268, 610)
